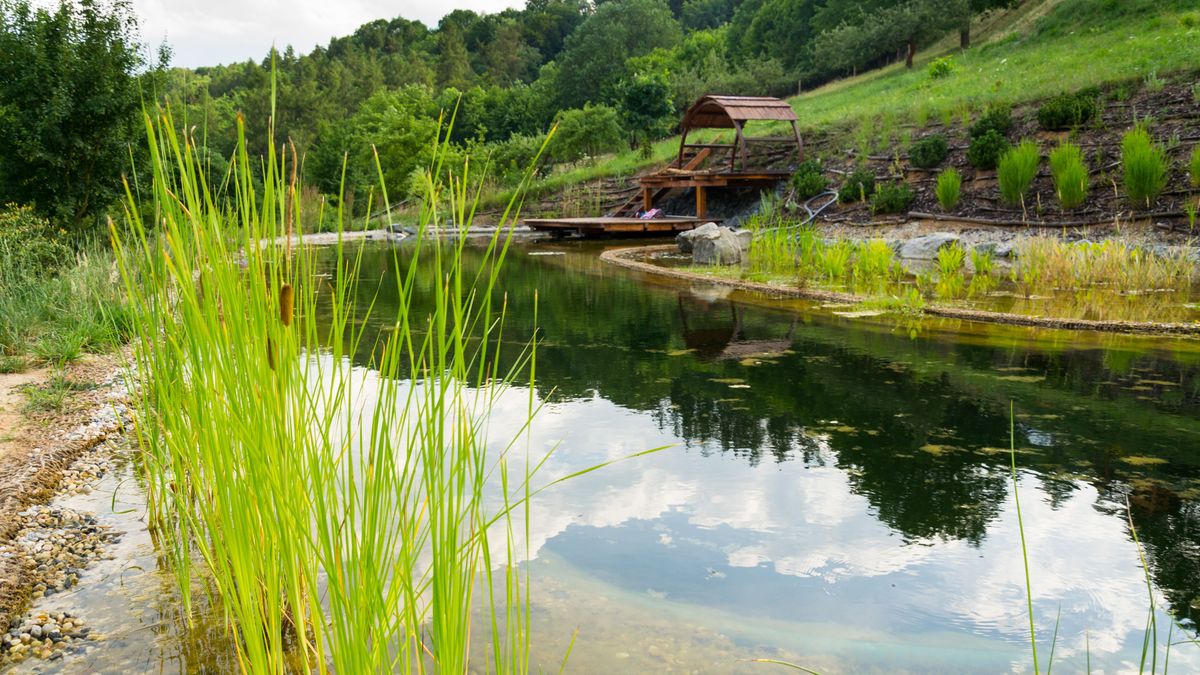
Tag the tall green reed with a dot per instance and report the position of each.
(341, 518)
(1016, 171)
(1145, 166)
(1070, 174)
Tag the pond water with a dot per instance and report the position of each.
(836, 493)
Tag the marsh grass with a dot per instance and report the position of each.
(1145, 166)
(1046, 262)
(1070, 173)
(1194, 167)
(982, 262)
(340, 516)
(950, 260)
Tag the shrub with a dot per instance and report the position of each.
(998, 119)
(949, 189)
(943, 67)
(29, 246)
(1066, 111)
(859, 185)
(808, 182)
(1017, 169)
(928, 152)
(1194, 167)
(1145, 165)
(985, 150)
(1070, 175)
(892, 198)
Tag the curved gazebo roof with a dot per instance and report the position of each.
(728, 112)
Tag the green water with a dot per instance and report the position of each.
(837, 492)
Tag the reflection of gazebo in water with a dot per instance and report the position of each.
(742, 162)
(725, 341)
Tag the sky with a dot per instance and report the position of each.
(210, 32)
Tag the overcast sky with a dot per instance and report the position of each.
(208, 32)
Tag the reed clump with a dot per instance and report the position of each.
(1070, 173)
(949, 189)
(1016, 171)
(339, 516)
(1144, 163)
(1050, 263)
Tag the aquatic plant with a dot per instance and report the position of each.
(340, 518)
(949, 189)
(982, 262)
(833, 260)
(950, 259)
(874, 260)
(1016, 171)
(1070, 173)
(1053, 263)
(773, 250)
(1145, 166)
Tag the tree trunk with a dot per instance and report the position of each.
(964, 37)
(912, 51)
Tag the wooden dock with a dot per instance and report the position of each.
(616, 226)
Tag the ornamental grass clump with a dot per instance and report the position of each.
(1070, 173)
(346, 520)
(949, 189)
(1144, 163)
(1194, 167)
(1016, 171)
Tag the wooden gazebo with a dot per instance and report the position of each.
(701, 165)
(760, 162)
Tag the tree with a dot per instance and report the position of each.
(454, 63)
(508, 57)
(593, 61)
(586, 132)
(705, 14)
(69, 106)
(646, 107)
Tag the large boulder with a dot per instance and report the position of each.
(719, 246)
(926, 247)
(686, 240)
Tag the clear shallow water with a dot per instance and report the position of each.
(837, 492)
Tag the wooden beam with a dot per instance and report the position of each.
(799, 141)
(701, 201)
(647, 198)
(741, 143)
(682, 145)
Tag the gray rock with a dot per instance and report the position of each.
(685, 240)
(1005, 249)
(987, 247)
(926, 247)
(719, 246)
(744, 238)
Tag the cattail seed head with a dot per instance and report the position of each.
(285, 304)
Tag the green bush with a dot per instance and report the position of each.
(949, 189)
(859, 185)
(1070, 174)
(1067, 111)
(997, 119)
(1194, 167)
(943, 67)
(928, 152)
(29, 246)
(1145, 165)
(808, 182)
(986, 150)
(1016, 171)
(892, 198)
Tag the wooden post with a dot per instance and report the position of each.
(799, 141)
(647, 198)
(701, 202)
(739, 146)
(682, 144)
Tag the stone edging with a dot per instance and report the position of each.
(623, 257)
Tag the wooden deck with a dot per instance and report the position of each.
(615, 226)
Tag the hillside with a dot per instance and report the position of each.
(1020, 56)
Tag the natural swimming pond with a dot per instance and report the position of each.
(837, 492)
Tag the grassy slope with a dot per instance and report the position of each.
(1039, 49)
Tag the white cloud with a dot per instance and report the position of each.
(208, 32)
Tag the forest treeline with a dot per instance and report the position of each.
(610, 73)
